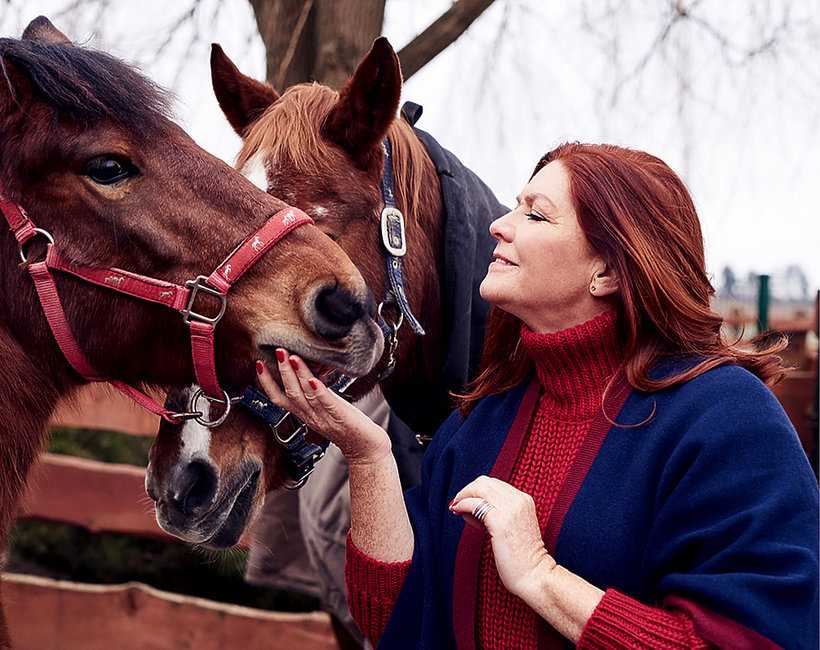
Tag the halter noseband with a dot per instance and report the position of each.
(179, 298)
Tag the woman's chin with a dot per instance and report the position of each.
(494, 290)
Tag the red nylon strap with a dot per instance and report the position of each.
(132, 284)
(53, 310)
(57, 322)
(255, 246)
(233, 267)
(17, 219)
(202, 351)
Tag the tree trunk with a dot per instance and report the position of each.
(316, 40)
(323, 40)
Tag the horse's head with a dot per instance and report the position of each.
(209, 484)
(88, 151)
(321, 151)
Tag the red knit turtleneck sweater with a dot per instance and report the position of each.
(573, 366)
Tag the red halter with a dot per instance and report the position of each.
(179, 298)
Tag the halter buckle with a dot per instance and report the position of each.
(393, 233)
(195, 286)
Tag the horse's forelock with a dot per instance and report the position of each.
(87, 85)
(290, 130)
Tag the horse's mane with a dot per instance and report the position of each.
(291, 130)
(85, 84)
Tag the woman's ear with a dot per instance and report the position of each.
(604, 280)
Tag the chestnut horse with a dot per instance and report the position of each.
(323, 152)
(87, 152)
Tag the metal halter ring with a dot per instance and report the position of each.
(396, 326)
(37, 231)
(227, 401)
(299, 430)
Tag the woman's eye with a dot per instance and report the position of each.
(534, 216)
(107, 170)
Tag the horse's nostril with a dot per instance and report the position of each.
(337, 310)
(194, 487)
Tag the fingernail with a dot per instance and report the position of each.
(313, 384)
(260, 367)
(293, 363)
(450, 505)
(280, 355)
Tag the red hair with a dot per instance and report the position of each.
(637, 214)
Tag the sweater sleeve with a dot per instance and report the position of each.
(372, 589)
(620, 621)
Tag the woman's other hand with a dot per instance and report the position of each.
(512, 524)
(357, 436)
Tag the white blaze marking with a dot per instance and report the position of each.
(196, 439)
(256, 172)
(318, 212)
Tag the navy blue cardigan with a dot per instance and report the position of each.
(710, 507)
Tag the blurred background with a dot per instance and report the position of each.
(726, 92)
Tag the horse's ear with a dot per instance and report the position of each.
(367, 104)
(42, 29)
(241, 98)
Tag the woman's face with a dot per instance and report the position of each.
(543, 265)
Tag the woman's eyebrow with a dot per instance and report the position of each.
(531, 197)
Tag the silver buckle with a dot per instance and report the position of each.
(200, 284)
(393, 233)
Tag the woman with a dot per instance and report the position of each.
(629, 479)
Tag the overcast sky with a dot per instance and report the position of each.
(742, 130)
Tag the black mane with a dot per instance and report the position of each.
(85, 84)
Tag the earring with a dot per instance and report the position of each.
(592, 288)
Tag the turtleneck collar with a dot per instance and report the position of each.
(574, 365)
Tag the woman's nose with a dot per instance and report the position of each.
(501, 228)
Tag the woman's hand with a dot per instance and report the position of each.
(512, 525)
(357, 436)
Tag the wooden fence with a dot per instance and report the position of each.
(48, 614)
(106, 497)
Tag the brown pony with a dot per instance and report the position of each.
(86, 148)
(322, 151)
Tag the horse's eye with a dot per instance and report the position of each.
(107, 170)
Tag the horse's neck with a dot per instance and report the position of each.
(27, 399)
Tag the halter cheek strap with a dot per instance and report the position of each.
(179, 298)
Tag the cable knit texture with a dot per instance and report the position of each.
(372, 589)
(623, 622)
(574, 367)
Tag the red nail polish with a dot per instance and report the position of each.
(450, 505)
(280, 356)
(260, 367)
(313, 384)
(293, 363)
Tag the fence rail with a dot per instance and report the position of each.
(46, 614)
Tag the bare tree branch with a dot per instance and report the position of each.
(441, 33)
(279, 79)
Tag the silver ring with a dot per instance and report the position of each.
(481, 510)
(227, 400)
